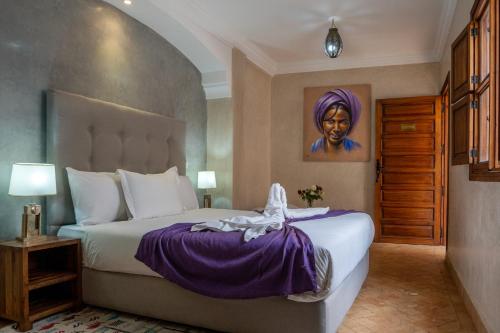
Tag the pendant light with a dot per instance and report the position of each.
(333, 42)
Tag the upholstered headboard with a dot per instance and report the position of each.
(91, 135)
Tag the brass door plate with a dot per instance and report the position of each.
(408, 127)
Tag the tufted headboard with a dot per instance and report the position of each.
(91, 135)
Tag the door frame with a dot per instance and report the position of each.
(445, 120)
(444, 129)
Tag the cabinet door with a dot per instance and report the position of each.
(462, 130)
(484, 17)
(461, 55)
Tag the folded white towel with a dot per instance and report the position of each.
(300, 212)
(272, 218)
(252, 226)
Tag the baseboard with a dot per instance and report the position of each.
(471, 309)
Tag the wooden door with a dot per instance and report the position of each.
(408, 188)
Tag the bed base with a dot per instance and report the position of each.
(158, 298)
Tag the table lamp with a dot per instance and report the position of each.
(206, 180)
(32, 180)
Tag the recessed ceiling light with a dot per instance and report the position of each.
(127, 2)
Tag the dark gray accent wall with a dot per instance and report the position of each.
(90, 48)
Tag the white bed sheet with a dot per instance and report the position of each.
(339, 244)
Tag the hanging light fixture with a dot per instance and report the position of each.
(333, 42)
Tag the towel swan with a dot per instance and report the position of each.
(272, 218)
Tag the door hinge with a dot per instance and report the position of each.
(442, 190)
(474, 79)
(442, 149)
(443, 107)
(474, 32)
(474, 104)
(441, 231)
(473, 153)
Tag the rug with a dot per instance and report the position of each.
(98, 320)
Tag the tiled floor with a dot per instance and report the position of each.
(408, 290)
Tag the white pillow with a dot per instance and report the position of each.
(149, 196)
(97, 197)
(187, 194)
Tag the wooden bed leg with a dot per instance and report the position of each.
(24, 326)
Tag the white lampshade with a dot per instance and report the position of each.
(206, 179)
(32, 179)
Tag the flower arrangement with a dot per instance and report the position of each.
(309, 195)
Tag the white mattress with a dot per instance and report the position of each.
(339, 244)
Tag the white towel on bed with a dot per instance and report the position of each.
(272, 218)
(300, 212)
(252, 226)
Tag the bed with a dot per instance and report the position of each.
(92, 135)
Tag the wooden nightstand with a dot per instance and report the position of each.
(39, 278)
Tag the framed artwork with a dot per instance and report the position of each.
(337, 123)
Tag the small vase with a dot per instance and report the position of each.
(309, 203)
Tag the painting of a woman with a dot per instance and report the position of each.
(335, 114)
(336, 123)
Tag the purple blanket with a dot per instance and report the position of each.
(222, 265)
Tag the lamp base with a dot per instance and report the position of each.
(31, 223)
(33, 239)
(207, 201)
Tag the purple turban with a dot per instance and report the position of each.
(336, 97)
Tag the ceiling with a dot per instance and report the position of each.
(166, 19)
(286, 36)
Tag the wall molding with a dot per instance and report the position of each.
(216, 90)
(352, 63)
(469, 305)
(216, 84)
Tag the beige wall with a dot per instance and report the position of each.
(474, 220)
(251, 94)
(346, 184)
(220, 150)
